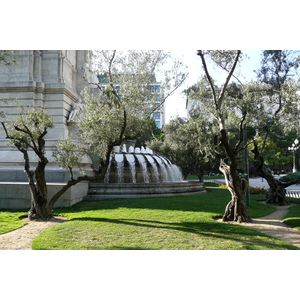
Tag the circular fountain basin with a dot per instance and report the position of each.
(102, 191)
(139, 173)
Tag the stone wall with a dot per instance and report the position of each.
(17, 195)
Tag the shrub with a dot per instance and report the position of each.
(290, 177)
(257, 190)
(223, 186)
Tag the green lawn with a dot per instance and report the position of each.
(292, 219)
(182, 222)
(195, 177)
(9, 220)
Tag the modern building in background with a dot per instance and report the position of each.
(155, 89)
(159, 115)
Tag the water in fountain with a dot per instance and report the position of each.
(140, 165)
(174, 172)
(106, 177)
(131, 161)
(143, 165)
(154, 166)
(163, 168)
(119, 159)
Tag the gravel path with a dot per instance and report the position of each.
(272, 225)
(21, 239)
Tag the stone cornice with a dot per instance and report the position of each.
(38, 87)
(61, 88)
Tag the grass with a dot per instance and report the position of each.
(195, 177)
(292, 218)
(181, 223)
(10, 220)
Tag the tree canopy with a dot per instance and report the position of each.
(126, 101)
(185, 142)
(267, 109)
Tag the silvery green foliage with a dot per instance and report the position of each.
(100, 123)
(134, 71)
(279, 71)
(68, 155)
(262, 104)
(29, 128)
(125, 105)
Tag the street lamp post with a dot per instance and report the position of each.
(246, 165)
(293, 149)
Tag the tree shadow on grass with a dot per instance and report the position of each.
(250, 239)
(209, 202)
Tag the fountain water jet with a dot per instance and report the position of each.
(137, 172)
(142, 167)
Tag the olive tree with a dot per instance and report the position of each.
(28, 134)
(227, 103)
(280, 107)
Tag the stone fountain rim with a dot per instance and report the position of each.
(140, 184)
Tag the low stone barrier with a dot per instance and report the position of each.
(16, 195)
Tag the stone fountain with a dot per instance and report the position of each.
(138, 172)
(140, 165)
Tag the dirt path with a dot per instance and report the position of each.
(272, 225)
(21, 238)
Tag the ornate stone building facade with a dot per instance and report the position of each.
(52, 79)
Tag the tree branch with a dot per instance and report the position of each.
(123, 127)
(70, 183)
(201, 54)
(27, 131)
(5, 129)
(242, 128)
(225, 69)
(170, 93)
(221, 97)
(110, 76)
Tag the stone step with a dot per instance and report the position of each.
(99, 191)
(141, 191)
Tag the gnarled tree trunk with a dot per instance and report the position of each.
(38, 205)
(38, 189)
(276, 192)
(35, 209)
(236, 208)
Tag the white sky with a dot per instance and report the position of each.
(175, 105)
